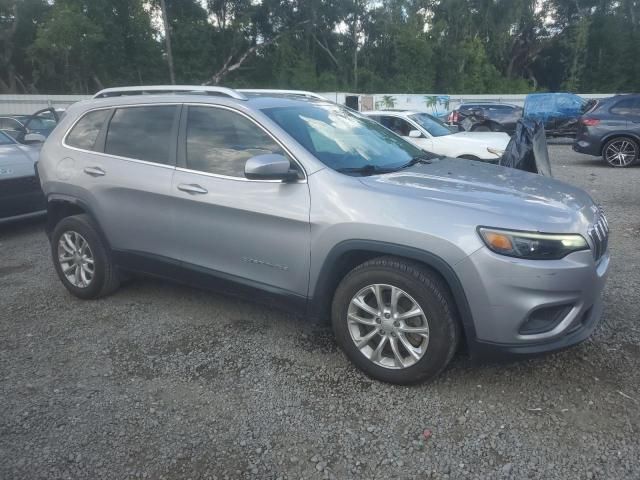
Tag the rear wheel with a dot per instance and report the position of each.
(621, 152)
(395, 320)
(81, 258)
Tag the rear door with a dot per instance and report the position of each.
(124, 159)
(255, 232)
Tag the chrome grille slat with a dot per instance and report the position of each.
(599, 235)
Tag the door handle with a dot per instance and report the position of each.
(95, 171)
(192, 188)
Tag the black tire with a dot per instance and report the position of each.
(628, 144)
(432, 295)
(481, 128)
(105, 277)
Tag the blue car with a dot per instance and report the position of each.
(559, 112)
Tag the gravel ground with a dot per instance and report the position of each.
(162, 381)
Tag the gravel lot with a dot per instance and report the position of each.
(162, 381)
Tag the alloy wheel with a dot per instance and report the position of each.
(621, 153)
(388, 326)
(76, 259)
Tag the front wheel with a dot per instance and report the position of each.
(621, 152)
(395, 320)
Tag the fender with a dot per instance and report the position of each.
(322, 293)
(618, 133)
(59, 198)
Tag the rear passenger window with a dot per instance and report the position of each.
(221, 142)
(628, 106)
(85, 132)
(142, 133)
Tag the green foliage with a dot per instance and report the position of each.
(412, 46)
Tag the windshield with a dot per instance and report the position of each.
(343, 140)
(38, 123)
(5, 139)
(431, 124)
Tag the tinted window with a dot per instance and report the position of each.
(220, 141)
(85, 132)
(143, 133)
(628, 106)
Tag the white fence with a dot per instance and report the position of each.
(25, 104)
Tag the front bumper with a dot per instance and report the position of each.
(505, 294)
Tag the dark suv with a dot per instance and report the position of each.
(611, 129)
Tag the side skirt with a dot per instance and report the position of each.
(204, 278)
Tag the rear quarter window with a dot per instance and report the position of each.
(85, 132)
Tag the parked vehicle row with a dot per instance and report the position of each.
(558, 112)
(294, 198)
(32, 128)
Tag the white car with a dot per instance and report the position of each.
(430, 134)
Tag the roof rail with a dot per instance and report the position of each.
(301, 93)
(159, 89)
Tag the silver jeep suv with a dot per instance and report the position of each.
(289, 198)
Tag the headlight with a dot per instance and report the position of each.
(531, 245)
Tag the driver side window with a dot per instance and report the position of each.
(220, 141)
(396, 125)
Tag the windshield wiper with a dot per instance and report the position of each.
(365, 170)
(415, 161)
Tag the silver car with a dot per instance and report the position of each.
(20, 192)
(291, 199)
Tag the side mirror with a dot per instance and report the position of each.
(415, 134)
(34, 138)
(270, 166)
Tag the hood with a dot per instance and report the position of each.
(519, 200)
(17, 160)
(489, 139)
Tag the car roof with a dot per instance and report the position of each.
(488, 102)
(253, 98)
(251, 101)
(397, 113)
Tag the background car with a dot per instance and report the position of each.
(41, 122)
(20, 192)
(611, 129)
(559, 112)
(486, 117)
(430, 134)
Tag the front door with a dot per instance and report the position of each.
(252, 231)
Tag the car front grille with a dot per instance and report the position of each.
(599, 234)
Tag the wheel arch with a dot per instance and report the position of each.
(62, 206)
(621, 134)
(348, 254)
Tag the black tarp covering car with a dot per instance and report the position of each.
(527, 150)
